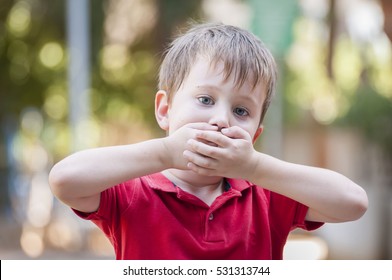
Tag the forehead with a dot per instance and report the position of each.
(206, 72)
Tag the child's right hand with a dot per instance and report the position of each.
(176, 143)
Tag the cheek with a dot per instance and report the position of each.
(253, 129)
(178, 118)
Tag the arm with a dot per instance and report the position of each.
(331, 197)
(79, 179)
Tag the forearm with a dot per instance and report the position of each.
(330, 196)
(92, 171)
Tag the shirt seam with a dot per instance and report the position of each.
(136, 190)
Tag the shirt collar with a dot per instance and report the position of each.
(239, 184)
(160, 182)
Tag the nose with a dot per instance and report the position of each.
(220, 119)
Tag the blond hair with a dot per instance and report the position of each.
(241, 52)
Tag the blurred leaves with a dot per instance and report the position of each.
(125, 61)
(359, 93)
(371, 113)
(33, 55)
(31, 52)
(124, 66)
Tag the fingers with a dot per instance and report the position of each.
(213, 138)
(200, 170)
(202, 126)
(211, 152)
(202, 165)
(236, 132)
(205, 149)
(222, 138)
(195, 159)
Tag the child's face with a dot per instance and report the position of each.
(206, 97)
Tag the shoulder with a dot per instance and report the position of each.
(273, 198)
(138, 188)
(244, 187)
(128, 194)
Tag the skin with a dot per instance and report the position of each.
(211, 127)
(206, 98)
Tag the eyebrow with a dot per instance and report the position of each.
(210, 87)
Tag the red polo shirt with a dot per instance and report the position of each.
(150, 218)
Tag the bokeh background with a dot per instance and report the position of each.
(76, 74)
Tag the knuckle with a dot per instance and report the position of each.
(207, 164)
(211, 152)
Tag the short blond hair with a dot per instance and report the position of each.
(241, 52)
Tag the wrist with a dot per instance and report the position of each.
(165, 154)
(254, 168)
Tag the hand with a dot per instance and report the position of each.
(176, 143)
(229, 153)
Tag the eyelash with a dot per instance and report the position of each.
(246, 112)
(210, 101)
(204, 98)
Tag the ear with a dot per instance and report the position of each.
(162, 109)
(257, 134)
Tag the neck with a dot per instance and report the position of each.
(206, 188)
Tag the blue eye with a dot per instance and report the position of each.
(205, 100)
(241, 112)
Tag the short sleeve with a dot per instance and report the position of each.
(287, 214)
(299, 219)
(102, 211)
(113, 203)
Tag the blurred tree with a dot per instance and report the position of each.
(370, 109)
(371, 113)
(387, 10)
(125, 79)
(26, 28)
(31, 39)
(172, 15)
(33, 57)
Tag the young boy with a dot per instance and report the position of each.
(203, 191)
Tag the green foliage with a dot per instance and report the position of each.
(33, 59)
(25, 28)
(33, 75)
(371, 113)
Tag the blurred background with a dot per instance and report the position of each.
(78, 74)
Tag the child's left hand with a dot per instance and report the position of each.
(227, 153)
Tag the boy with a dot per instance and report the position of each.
(203, 191)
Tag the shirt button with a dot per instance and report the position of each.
(211, 217)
